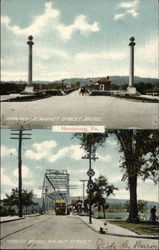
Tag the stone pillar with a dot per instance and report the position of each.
(131, 75)
(30, 43)
(29, 89)
(131, 89)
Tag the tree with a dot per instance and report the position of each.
(143, 87)
(139, 158)
(102, 190)
(93, 140)
(13, 198)
(28, 199)
(141, 207)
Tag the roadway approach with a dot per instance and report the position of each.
(74, 109)
(49, 231)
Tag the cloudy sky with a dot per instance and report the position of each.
(78, 38)
(52, 150)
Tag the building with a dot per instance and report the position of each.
(103, 84)
(76, 206)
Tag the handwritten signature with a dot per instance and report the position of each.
(101, 244)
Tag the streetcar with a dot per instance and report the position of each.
(60, 207)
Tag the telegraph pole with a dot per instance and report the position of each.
(19, 135)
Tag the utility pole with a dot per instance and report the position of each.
(90, 173)
(19, 135)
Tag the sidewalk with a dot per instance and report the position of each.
(10, 218)
(110, 229)
(14, 218)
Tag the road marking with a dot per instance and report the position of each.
(37, 238)
(5, 236)
(16, 232)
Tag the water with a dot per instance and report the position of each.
(117, 215)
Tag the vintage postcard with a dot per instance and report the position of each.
(80, 62)
(79, 124)
(79, 190)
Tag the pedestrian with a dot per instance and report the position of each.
(153, 214)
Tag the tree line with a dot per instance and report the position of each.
(14, 88)
(9, 87)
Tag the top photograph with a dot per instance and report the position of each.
(79, 62)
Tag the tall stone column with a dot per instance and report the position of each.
(30, 43)
(29, 89)
(131, 89)
(131, 75)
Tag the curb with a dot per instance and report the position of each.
(153, 237)
(11, 220)
(88, 225)
(27, 216)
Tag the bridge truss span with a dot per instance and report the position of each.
(55, 187)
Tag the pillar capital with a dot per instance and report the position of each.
(30, 42)
(132, 43)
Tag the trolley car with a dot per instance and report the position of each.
(60, 207)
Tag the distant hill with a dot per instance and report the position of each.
(118, 80)
(120, 201)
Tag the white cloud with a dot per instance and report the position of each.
(60, 154)
(5, 20)
(128, 4)
(74, 152)
(37, 192)
(80, 24)
(39, 22)
(44, 150)
(7, 75)
(47, 53)
(106, 158)
(121, 194)
(26, 173)
(77, 152)
(5, 151)
(133, 12)
(119, 16)
(148, 50)
(109, 55)
(147, 190)
(129, 8)
(40, 150)
(5, 180)
(50, 19)
(146, 71)
(77, 171)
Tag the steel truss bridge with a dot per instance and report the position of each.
(55, 187)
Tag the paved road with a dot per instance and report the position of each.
(80, 110)
(63, 232)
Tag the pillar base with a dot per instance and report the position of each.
(29, 90)
(132, 91)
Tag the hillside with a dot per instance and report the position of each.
(119, 80)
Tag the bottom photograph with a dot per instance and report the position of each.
(64, 190)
